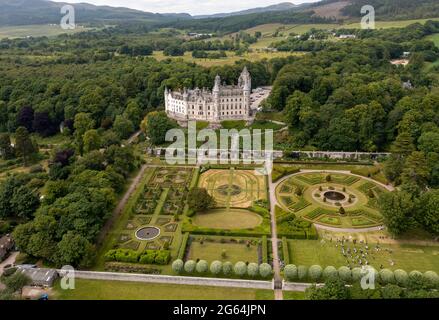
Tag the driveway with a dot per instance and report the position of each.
(9, 260)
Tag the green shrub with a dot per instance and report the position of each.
(330, 272)
(315, 272)
(189, 266)
(415, 274)
(290, 272)
(357, 274)
(253, 269)
(345, 273)
(183, 246)
(432, 278)
(227, 268)
(240, 268)
(177, 266)
(285, 251)
(387, 276)
(302, 271)
(401, 277)
(265, 270)
(202, 266)
(216, 267)
(264, 249)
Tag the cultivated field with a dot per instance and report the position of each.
(36, 31)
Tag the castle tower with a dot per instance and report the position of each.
(216, 98)
(245, 83)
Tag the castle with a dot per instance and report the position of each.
(223, 102)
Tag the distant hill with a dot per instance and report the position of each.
(25, 12)
(276, 7)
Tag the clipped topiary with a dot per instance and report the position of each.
(189, 266)
(302, 272)
(387, 276)
(357, 274)
(415, 274)
(345, 273)
(227, 268)
(432, 278)
(216, 267)
(240, 268)
(177, 266)
(202, 266)
(252, 269)
(401, 277)
(315, 272)
(265, 270)
(330, 273)
(290, 272)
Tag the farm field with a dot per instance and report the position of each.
(36, 31)
(231, 57)
(404, 256)
(121, 290)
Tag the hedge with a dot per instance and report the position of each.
(285, 250)
(264, 249)
(160, 257)
(183, 245)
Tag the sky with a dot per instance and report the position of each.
(193, 7)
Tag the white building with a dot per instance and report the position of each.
(223, 102)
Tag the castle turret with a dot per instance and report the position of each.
(216, 97)
(245, 82)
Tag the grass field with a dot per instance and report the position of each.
(434, 38)
(36, 31)
(407, 257)
(235, 252)
(231, 57)
(119, 290)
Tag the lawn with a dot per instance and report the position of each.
(120, 290)
(213, 251)
(294, 295)
(228, 219)
(36, 31)
(407, 257)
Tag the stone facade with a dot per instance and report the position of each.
(223, 102)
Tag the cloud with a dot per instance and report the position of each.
(194, 7)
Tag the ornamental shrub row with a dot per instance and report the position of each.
(160, 257)
(240, 269)
(385, 276)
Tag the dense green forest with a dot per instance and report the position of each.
(395, 9)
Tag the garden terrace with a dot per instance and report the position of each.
(333, 199)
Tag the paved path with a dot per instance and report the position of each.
(278, 295)
(348, 230)
(9, 260)
(117, 211)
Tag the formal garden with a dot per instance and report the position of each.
(338, 200)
